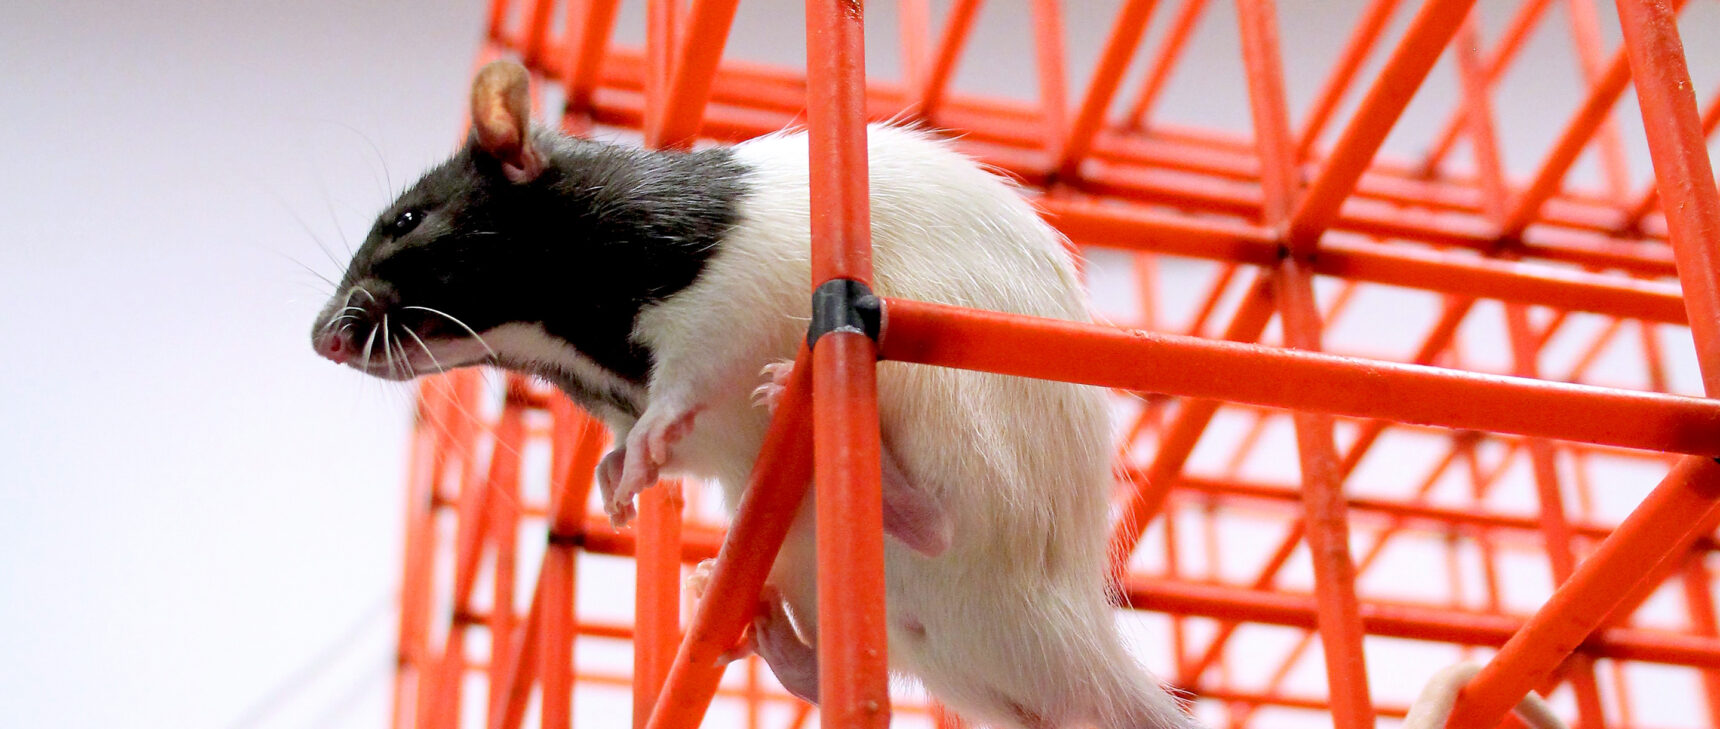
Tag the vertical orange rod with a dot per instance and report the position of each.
(582, 438)
(498, 19)
(1113, 62)
(537, 31)
(1586, 34)
(914, 20)
(1379, 111)
(1164, 61)
(1324, 509)
(688, 81)
(1555, 527)
(1048, 58)
(1699, 603)
(504, 515)
(1510, 42)
(931, 88)
(586, 51)
(660, 27)
(852, 657)
(1337, 83)
(428, 452)
(768, 506)
(657, 595)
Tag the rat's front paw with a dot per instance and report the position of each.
(650, 447)
(619, 507)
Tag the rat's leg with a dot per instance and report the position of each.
(911, 514)
(794, 663)
(609, 482)
(772, 636)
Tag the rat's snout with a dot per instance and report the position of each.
(350, 319)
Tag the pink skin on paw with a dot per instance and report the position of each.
(609, 481)
(794, 663)
(650, 447)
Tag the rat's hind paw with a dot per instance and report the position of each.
(694, 587)
(768, 393)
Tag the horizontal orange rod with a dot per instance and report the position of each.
(1296, 380)
(1112, 227)
(1445, 625)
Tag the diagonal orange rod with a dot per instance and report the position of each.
(1120, 48)
(1379, 111)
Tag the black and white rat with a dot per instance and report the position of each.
(654, 287)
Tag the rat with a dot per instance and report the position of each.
(654, 288)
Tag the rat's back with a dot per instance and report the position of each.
(1010, 625)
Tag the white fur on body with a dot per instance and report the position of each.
(1017, 630)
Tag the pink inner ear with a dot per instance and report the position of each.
(501, 117)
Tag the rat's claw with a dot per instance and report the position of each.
(609, 473)
(768, 393)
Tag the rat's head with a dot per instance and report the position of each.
(444, 262)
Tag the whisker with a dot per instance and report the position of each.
(387, 351)
(462, 325)
(426, 348)
(368, 342)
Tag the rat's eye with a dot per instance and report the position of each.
(405, 222)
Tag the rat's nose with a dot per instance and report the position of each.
(334, 344)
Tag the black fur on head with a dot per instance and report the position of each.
(576, 242)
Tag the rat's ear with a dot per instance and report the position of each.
(501, 119)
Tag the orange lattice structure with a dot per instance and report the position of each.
(1478, 447)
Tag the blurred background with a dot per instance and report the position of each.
(199, 519)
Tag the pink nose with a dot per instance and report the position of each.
(334, 347)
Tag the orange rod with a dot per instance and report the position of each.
(1681, 169)
(1415, 622)
(1113, 62)
(1586, 32)
(586, 51)
(503, 512)
(1510, 42)
(537, 31)
(1178, 441)
(1578, 132)
(1337, 83)
(1165, 61)
(914, 19)
(1326, 520)
(1309, 381)
(853, 669)
(1379, 111)
(1048, 59)
(1699, 603)
(937, 79)
(1109, 226)
(1658, 526)
(761, 521)
(836, 129)
(1361, 216)
(773, 97)
(556, 652)
(1650, 197)
(689, 91)
(657, 594)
